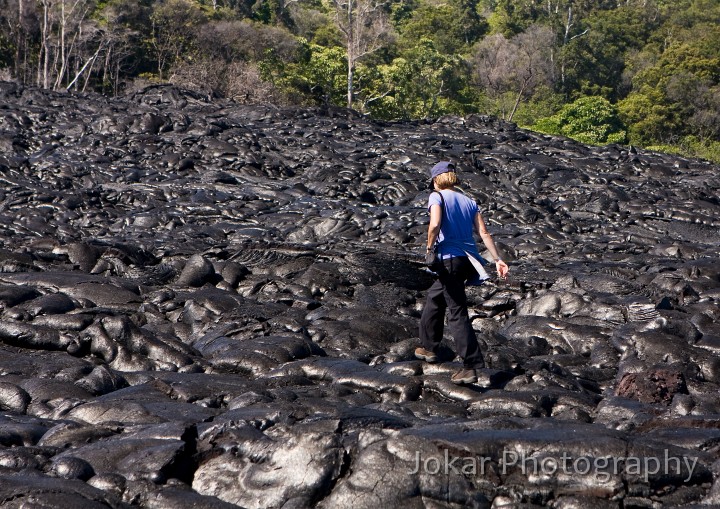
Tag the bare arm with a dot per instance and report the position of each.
(434, 226)
(482, 231)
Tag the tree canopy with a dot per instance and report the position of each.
(645, 72)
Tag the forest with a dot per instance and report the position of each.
(632, 72)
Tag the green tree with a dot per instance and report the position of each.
(594, 64)
(173, 29)
(421, 83)
(591, 120)
(511, 17)
(273, 12)
(647, 117)
(453, 27)
(318, 75)
(678, 94)
(402, 10)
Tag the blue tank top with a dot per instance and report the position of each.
(456, 232)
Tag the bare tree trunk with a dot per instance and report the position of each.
(116, 81)
(89, 74)
(568, 25)
(89, 62)
(350, 86)
(106, 66)
(19, 41)
(44, 60)
(350, 52)
(518, 99)
(61, 43)
(23, 70)
(565, 41)
(363, 25)
(73, 21)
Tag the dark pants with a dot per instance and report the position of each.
(448, 293)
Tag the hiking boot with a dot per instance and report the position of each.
(426, 355)
(464, 376)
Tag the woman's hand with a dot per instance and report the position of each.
(502, 269)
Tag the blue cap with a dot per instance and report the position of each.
(442, 167)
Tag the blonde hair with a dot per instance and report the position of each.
(447, 179)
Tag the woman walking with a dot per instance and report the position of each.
(454, 218)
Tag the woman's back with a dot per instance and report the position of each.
(456, 232)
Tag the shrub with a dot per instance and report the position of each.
(592, 120)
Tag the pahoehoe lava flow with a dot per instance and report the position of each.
(213, 305)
